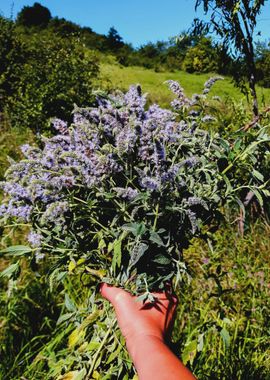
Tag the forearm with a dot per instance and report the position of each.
(153, 359)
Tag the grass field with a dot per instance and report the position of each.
(115, 76)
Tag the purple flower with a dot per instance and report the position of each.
(3, 210)
(209, 83)
(134, 100)
(208, 118)
(193, 221)
(19, 210)
(126, 140)
(182, 100)
(34, 239)
(55, 213)
(15, 190)
(60, 126)
(126, 193)
(205, 260)
(150, 183)
(190, 162)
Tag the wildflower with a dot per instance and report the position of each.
(60, 126)
(208, 118)
(126, 193)
(209, 83)
(150, 183)
(34, 239)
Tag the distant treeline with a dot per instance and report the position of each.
(48, 64)
(189, 52)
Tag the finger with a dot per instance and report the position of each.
(108, 291)
(113, 294)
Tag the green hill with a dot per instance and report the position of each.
(116, 76)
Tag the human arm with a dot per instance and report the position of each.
(145, 328)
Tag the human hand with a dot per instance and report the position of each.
(145, 327)
(140, 320)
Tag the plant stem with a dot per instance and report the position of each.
(100, 348)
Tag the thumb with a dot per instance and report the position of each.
(113, 294)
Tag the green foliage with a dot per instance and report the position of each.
(223, 305)
(64, 28)
(12, 54)
(221, 329)
(263, 67)
(35, 15)
(28, 314)
(235, 22)
(202, 58)
(44, 77)
(10, 141)
(114, 40)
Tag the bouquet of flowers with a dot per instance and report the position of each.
(121, 192)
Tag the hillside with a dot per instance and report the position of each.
(117, 76)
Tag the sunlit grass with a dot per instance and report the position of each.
(116, 76)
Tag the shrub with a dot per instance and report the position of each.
(44, 78)
(201, 58)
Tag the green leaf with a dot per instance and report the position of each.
(258, 196)
(12, 271)
(16, 250)
(225, 336)
(189, 352)
(93, 346)
(237, 144)
(200, 343)
(114, 354)
(138, 229)
(257, 175)
(155, 238)
(80, 375)
(162, 259)
(64, 318)
(241, 205)
(137, 252)
(69, 303)
(228, 184)
(130, 227)
(143, 297)
(117, 254)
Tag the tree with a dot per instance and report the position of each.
(63, 27)
(43, 76)
(37, 15)
(235, 21)
(201, 58)
(263, 64)
(114, 40)
(12, 57)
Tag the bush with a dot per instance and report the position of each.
(201, 58)
(263, 70)
(44, 77)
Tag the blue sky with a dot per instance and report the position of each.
(137, 21)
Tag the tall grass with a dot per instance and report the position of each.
(221, 329)
(223, 317)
